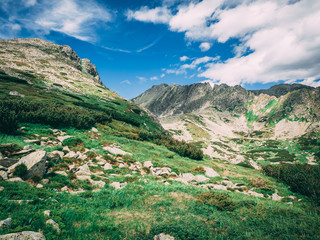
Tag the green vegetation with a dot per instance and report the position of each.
(301, 178)
(20, 170)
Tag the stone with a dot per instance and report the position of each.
(24, 151)
(255, 165)
(34, 141)
(35, 163)
(3, 175)
(1, 188)
(72, 154)
(47, 213)
(220, 187)
(99, 184)
(1, 156)
(227, 183)
(45, 139)
(54, 225)
(84, 170)
(201, 178)
(148, 164)
(44, 181)
(93, 129)
(276, 197)
(64, 189)
(164, 171)
(56, 155)
(122, 165)
(66, 148)
(25, 235)
(163, 236)
(118, 185)
(63, 173)
(254, 194)
(210, 172)
(116, 151)
(5, 223)
(107, 166)
(39, 185)
(15, 179)
(27, 147)
(62, 138)
(15, 93)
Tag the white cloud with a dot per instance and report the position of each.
(205, 46)
(141, 79)
(125, 82)
(154, 78)
(183, 58)
(195, 63)
(155, 15)
(162, 75)
(30, 3)
(278, 39)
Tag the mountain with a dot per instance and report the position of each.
(217, 115)
(77, 161)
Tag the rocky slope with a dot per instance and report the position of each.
(215, 116)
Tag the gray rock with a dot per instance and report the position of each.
(56, 155)
(163, 236)
(5, 223)
(83, 170)
(118, 185)
(64, 189)
(1, 188)
(99, 184)
(25, 235)
(15, 179)
(62, 138)
(164, 171)
(1, 156)
(54, 225)
(122, 165)
(91, 69)
(24, 151)
(15, 93)
(35, 163)
(276, 197)
(148, 164)
(47, 213)
(34, 141)
(210, 172)
(39, 185)
(27, 147)
(93, 129)
(116, 151)
(107, 166)
(63, 173)
(201, 178)
(44, 181)
(71, 54)
(254, 194)
(3, 175)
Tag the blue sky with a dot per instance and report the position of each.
(139, 43)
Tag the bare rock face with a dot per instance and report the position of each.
(91, 69)
(69, 53)
(35, 162)
(25, 235)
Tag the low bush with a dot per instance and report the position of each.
(221, 201)
(20, 171)
(302, 178)
(72, 142)
(36, 178)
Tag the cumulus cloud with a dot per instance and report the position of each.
(205, 46)
(154, 78)
(278, 40)
(155, 15)
(76, 18)
(183, 58)
(195, 63)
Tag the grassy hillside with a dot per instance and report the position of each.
(112, 172)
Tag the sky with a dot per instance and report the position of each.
(136, 44)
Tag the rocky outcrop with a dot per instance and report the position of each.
(91, 69)
(25, 235)
(35, 163)
(71, 54)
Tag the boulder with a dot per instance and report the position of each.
(54, 225)
(276, 197)
(61, 173)
(118, 185)
(39, 185)
(3, 175)
(47, 213)
(107, 166)
(210, 172)
(15, 179)
(148, 164)
(35, 162)
(62, 138)
(163, 236)
(25, 235)
(93, 129)
(34, 141)
(201, 178)
(83, 170)
(116, 151)
(99, 184)
(5, 223)
(1, 188)
(254, 194)
(164, 171)
(56, 155)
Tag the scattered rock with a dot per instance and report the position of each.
(24, 151)
(61, 173)
(255, 165)
(35, 163)
(25, 235)
(116, 151)
(47, 213)
(210, 172)
(34, 141)
(27, 147)
(3, 175)
(201, 178)
(54, 225)
(62, 138)
(5, 223)
(1, 188)
(44, 181)
(99, 184)
(15, 179)
(1, 156)
(39, 185)
(148, 164)
(93, 129)
(56, 155)
(163, 236)
(64, 189)
(118, 185)
(254, 194)
(15, 93)
(276, 197)
(122, 165)
(83, 170)
(216, 186)
(107, 166)
(158, 171)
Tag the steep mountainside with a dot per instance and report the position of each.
(216, 116)
(77, 161)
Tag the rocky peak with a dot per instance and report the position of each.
(91, 69)
(68, 52)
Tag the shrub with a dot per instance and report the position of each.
(302, 178)
(198, 169)
(20, 171)
(221, 201)
(36, 178)
(72, 142)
